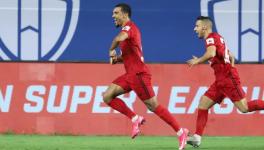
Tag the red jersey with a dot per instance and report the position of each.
(131, 50)
(220, 62)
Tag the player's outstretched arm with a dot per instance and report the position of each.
(210, 52)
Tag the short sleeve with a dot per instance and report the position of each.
(210, 41)
(127, 29)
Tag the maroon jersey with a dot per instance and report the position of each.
(220, 62)
(131, 50)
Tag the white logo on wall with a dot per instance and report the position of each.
(240, 23)
(36, 29)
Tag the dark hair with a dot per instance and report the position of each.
(202, 18)
(206, 20)
(125, 8)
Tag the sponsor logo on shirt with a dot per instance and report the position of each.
(210, 41)
(126, 28)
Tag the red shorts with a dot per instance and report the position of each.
(227, 87)
(140, 83)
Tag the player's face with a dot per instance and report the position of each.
(199, 29)
(118, 16)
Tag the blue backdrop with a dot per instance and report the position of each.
(166, 26)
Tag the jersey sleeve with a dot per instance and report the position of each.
(127, 29)
(210, 41)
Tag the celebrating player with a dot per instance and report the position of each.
(137, 76)
(227, 83)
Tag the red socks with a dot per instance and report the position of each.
(203, 115)
(255, 105)
(165, 115)
(121, 107)
(201, 121)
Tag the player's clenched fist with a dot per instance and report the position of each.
(113, 56)
(113, 60)
(112, 53)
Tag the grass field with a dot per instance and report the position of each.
(38, 142)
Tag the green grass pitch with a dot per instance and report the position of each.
(39, 142)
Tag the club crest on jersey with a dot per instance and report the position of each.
(126, 28)
(210, 41)
(240, 22)
(36, 30)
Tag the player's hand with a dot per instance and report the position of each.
(113, 60)
(113, 57)
(112, 53)
(193, 61)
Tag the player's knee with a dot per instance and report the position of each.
(243, 110)
(202, 106)
(107, 97)
(204, 103)
(151, 104)
(151, 108)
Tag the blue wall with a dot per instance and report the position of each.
(166, 26)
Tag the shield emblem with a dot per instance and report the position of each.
(240, 23)
(37, 30)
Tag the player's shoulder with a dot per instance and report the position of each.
(129, 26)
(212, 38)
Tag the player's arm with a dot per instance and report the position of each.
(231, 58)
(112, 53)
(210, 52)
(119, 38)
(116, 59)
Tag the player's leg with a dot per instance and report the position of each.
(143, 88)
(166, 116)
(118, 87)
(153, 105)
(234, 91)
(242, 104)
(211, 97)
(254, 105)
(205, 104)
(115, 89)
(245, 106)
